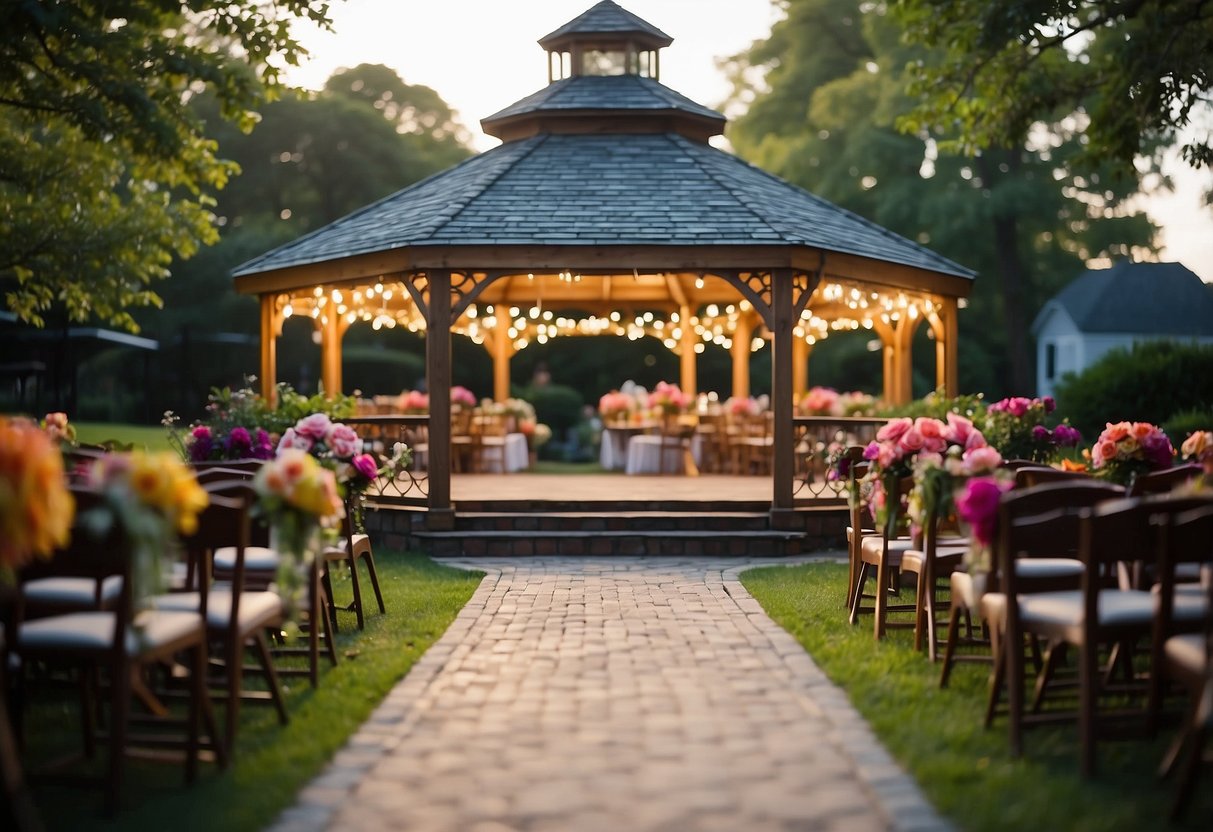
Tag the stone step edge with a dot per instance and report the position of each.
(609, 533)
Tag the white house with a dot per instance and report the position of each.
(1104, 309)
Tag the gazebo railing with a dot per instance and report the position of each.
(812, 437)
(380, 434)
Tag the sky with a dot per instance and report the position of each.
(482, 55)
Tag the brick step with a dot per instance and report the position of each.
(610, 543)
(586, 521)
(557, 506)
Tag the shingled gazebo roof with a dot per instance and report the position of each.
(590, 190)
(606, 18)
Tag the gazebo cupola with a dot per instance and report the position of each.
(603, 71)
(605, 40)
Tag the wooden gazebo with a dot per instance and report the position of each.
(606, 198)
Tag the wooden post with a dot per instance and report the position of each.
(502, 349)
(330, 352)
(903, 349)
(781, 397)
(688, 377)
(800, 367)
(741, 356)
(887, 357)
(951, 348)
(441, 514)
(270, 327)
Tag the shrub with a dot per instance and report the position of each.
(1150, 383)
(557, 406)
(1183, 424)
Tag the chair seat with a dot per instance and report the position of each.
(912, 560)
(256, 559)
(362, 543)
(871, 547)
(71, 592)
(1187, 652)
(94, 631)
(1048, 568)
(256, 608)
(1063, 611)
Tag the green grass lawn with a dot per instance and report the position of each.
(146, 437)
(966, 771)
(270, 762)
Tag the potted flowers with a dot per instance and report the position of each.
(1016, 427)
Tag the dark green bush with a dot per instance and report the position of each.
(556, 406)
(1182, 424)
(1150, 383)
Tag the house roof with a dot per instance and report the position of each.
(606, 18)
(594, 190)
(583, 94)
(1146, 298)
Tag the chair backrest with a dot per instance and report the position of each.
(246, 465)
(1160, 482)
(1183, 537)
(1043, 522)
(1030, 476)
(217, 473)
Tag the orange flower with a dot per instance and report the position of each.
(1073, 465)
(36, 509)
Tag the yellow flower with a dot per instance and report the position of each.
(36, 509)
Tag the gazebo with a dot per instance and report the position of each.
(606, 211)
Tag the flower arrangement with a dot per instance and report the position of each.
(977, 506)
(337, 447)
(299, 497)
(152, 499)
(57, 427)
(1016, 427)
(36, 508)
(742, 406)
(614, 406)
(1198, 448)
(1126, 450)
(821, 401)
(668, 398)
(462, 397)
(413, 402)
(901, 441)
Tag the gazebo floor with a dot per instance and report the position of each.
(613, 514)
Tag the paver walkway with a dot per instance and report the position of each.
(623, 694)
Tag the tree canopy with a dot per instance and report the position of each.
(1026, 215)
(106, 173)
(1138, 70)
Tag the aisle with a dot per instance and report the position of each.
(629, 694)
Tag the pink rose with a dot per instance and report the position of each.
(959, 429)
(365, 465)
(982, 458)
(343, 441)
(910, 442)
(932, 432)
(314, 427)
(894, 430)
(294, 441)
(975, 440)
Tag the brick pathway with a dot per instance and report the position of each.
(629, 694)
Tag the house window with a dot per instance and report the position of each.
(1050, 361)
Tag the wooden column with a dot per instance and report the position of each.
(781, 397)
(441, 514)
(903, 348)
(688, 377)
(951, 346)
(502, 349)
(271, 325)
(800, 367)
(741, 356)
(330, 352)
(887, 356)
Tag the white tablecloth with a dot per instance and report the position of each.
(517, 456)
(644, 455)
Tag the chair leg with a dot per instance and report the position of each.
(1053, 657)
(353, 563)
(920, 610)
(950, 647)
(1012, 652)
(370, 568)
(882, 599)
(88, 725)
(234, 660)
(857, 601)
(198, 692)
(326, 584)
(120, 701)
(271, 676)
(997, 676)
(1088, 698)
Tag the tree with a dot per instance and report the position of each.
(1025, 215)
(1137, 69)
(105, 172)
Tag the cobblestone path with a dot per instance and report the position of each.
(623, 694)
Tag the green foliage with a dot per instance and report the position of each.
(556, 406)
(1137, 71)
(1023, 215)
(1150, 383)
(936, 406)
(271, 762)
(1183, 424)
(105, 173)
(966, 771)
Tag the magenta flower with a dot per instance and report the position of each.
(365, 465)
(978, 506)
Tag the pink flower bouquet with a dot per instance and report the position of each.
(1126, 450)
